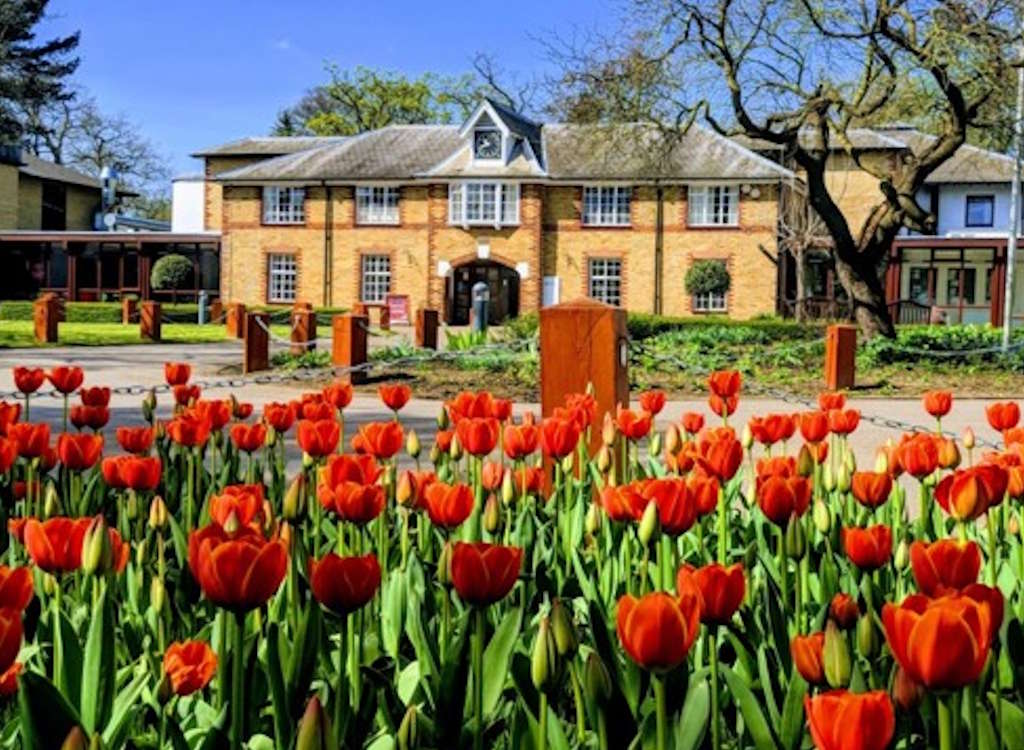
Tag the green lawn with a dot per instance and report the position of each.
(18, 333)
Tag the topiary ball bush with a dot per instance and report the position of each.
(707, 276)
(170, 272)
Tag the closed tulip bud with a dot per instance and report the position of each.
(149, 405)
(49, 584)
(1013, 525)
(828, 477)
(746, 438)
(157, 514)
(949, 454)
(565, 631)
(271, 439)
(544, 661)
(593, 520)
(822, 517)
(796, 539)
(307, 460)
(596, 681)
(567, 462)
(231, 524)
(76, 740)
(51, 502)
(140, 552)
(969, 440)
(881, 462)
(412, 444)
(97, 554)
(650, 525)
(804, 462)
(906, 693)
(444, 565)
(442, 419)
(405, 490)
(901, 556)
(672, 439)
(435, 453)
(654, 446)
(868, 641)
(314, 728)
(604, 459)
(157, 595)
(408, 735)
(164, 690)
(508, 489)
(492, 515)
(293, 503)
(836, 656)
(285, 534)
(844, 479)
(456, 450)
(590, 390)
(608, 430)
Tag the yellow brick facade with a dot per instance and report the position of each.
(21, 202)
(855, 190)
(548, 241)
(213, 196)
(30, 203)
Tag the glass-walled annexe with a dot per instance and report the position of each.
(951, 280)
(96, 266)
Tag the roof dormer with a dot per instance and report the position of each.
(497, 136)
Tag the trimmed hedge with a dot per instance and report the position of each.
(97, 312)
(951, 344)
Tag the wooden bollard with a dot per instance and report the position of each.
(216, 311)
(58, 302)
(129, 310)
(149, 321)
(385, 318)
(236, 320)
(45, 318)
(349, 343)
(584, 343)
(256, 344)
(840, 357)
(426, 328)
(303, 328)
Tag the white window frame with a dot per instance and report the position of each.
(607, 206)
(284, 204)
(483, 203)
(374, 278)
(704, 206)
(282, 277)
(377, 204)
(711, 302)
(600, 277)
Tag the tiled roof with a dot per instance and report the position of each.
(269, 145)
(33, 166)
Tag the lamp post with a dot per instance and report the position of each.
(1015, 208)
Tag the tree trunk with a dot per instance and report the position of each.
(798, 256)
(864, 286)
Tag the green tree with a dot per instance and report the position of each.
(31, 72)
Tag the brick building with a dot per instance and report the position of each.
(541, 213)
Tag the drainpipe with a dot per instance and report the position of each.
(328, 244)
(659, 246)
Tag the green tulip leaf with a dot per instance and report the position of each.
(693, 722)
(757, 726)
(46, 716)
(496, 658)
(124, 710)
(791, 727)
(302, 661)
(98, 672)
(283, 719)
(1013, 723)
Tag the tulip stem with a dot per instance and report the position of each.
(662, 719)
(341, 688)
(716, 720)
(237, 683)
(478, 679)
(947, 740)
(58, 642)
(577, 695)
(783, 570)
(542, 722)
(723, 525)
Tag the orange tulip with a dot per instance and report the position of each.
(66, 378)
(808, 652)
(725, 383)
(319, 438)
(242, 501)
(871, 488)
(189, 430)
(216, 412)
(1003, 415)
(16, 588)
(633, 425)
(448, 505)
(528, 479)
(869, 548)
(844, 611)
(338, 395)
(443, 440)
(248, 437)
(623, 503)
(843, 421)
(677, 511)
(772, 428)
(478, 435)
(829, 400)
(28, 379)
(967, 494)
(412, 487)
(238, 571)
(841, 720)
(938, 403)
(279, 416)
(79, 451)
(484, 573)
(519, 441)
(723, 407)
(652, 402)
(315, 411)
(353, 502)
(721, 589)
(945, 566)
(394, 396)
(559, 437)
(31, 438)
(55, 545)
(693, 422)
(781, 497)
(918, 454)
(657, 630)
(189, 665)
(350, 467)
(344, 584)
(720, 454)
(941, 643)
(582, 408)
(177, 373)
(492, 475)
(474, 405)
(814, 426)
(136, 440)
(704, 489)
(379, 439)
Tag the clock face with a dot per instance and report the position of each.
(487, 144)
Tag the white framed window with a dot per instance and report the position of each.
(604, 280)
(709, 302)
(713, 205)
(284, 205)
(375, 283)
(489, 203)
(376, 205)
(606, 206)
(282, 277)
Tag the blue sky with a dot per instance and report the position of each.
(193, 73)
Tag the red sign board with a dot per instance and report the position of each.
(398, 309)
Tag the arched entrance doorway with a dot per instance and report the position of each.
(504, 285)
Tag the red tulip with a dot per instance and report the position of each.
(871, 488)
(809, 657)
(559, 437)
(870, 548)
(723, 407)
(31, 438)
(657, 630)
(186, 394)
(443, 440)
(721, 589)
(135, 439)
(519, 441)
(394, 396)
(1003, 415)
(677, 511)
(381, 440)
(844, 611)
(319, 438)
(139, 473)
(478, 435)
(8, 454)
(93, 417)
(967, 494)
(353, 502)
(79, 451)
(841, 720)
(9, 679)
(814, 426)
(16, 588)
(652, 402)
(721, 454)
(479, 405)
(66, 378)
(725, 383)
(315, 411)
(9, 414)
(843, 421)
(238, 571)
(10, 638)
(781, 497)
(248, 437)
(338, 395)
(704, 489)
(623, 502)
(918, 454)
(55, 545)
(217, 412)
(827, 401)
(634, 426)
(95, 396)
(942, 643)
(448, 505)
(344, 584)
(279, 416)
(528, 479)
(945, 566)
(189, 665)
(773, 428)
(938, 403)
(189, 430)
(348, 467)
(240, 410)
(28, 379)
(501, 409)
(412, 487)
(177, 373)
(244, 502)
(693, 422)
(582, 408)
(484, 573)
(492, 475)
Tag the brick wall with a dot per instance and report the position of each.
(213, 194)
(30, 203)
